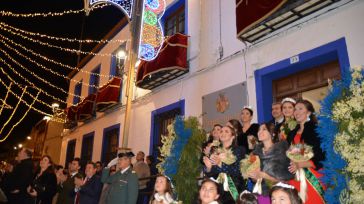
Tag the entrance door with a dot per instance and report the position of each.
(310, 84)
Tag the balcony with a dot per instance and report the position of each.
(170, 63)
(256, 19)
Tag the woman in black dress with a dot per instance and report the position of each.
(249, 134)
(44, 185)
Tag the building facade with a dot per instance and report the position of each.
(298, 60)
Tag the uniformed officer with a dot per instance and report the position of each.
(124, 183)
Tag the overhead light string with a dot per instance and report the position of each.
(4, 100)
(21, 119)
(53, 61)
(21, 87)
(55, 46)
(59, 38)
(12, 114)
(45, 68)
(18, 97)
(49, 14)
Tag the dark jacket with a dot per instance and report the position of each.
(310, 136)
(243, 137)
(66, 191)
(46, 187)
(21, 178)
(90, 192)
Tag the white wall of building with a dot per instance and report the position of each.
(208, 75)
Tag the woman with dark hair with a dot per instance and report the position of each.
(248, 133)
(289, 122)
(284, 194)
(226, 160)
(273, 160)
(44, 185)
(305, 132)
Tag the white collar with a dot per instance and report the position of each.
(123, 171)
(74, 173)
(280, 120)
(166, 198)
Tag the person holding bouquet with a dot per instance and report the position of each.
(289, 122)
(305, 134)
(273, 161)
(226, 160)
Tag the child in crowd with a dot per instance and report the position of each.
(209, 192)
(247, 198)
(284, 194)
(163, 192)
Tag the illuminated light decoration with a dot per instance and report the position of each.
(150, 18)
(4, 104)
(21, 87)
(58, 38)
(124, 5)
(18, 97)
(50, 60)
(55, 46)
(49, 14)
(32, 73)
(21, 119)
(152, 31)
(45, 68)
(12, 114)
(152, 12)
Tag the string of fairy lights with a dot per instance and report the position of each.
(53, 61)
(151, 40)
(46, 68)
(56, 46)
(3, 105)
(12, 114)
(58, 38)
(50, 14)
(21, 119)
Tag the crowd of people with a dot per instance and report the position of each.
(120, 181)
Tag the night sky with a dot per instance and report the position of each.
(95, 26)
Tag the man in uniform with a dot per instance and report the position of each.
(124, 183)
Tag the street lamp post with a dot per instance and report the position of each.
(137, 14)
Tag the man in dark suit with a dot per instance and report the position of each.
(277, 114)
(21, 178)
(89, 189)
(66, 189)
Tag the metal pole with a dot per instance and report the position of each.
(136, 22)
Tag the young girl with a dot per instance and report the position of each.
(209, 192)
(284, 194)
(162, 191)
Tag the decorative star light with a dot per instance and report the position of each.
(151, 37)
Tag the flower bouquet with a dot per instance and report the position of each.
(300, 153)
(248, 165)
(287, 127)
(226, 155)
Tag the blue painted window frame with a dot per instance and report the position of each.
(153, 133)
(105, 139)
(83, 148)
(77, 92)
(335, 50)
(94, 80)
(68, 153)
(172, 8)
